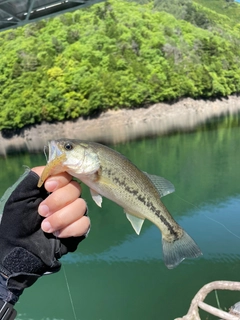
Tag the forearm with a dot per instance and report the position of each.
(5, 293)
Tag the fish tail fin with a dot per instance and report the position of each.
(175, 252)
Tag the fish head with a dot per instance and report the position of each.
(73, 156)
(80, 158)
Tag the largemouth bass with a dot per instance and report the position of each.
(110, 174)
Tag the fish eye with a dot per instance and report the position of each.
(68, 146)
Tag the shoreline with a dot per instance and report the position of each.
(118, 126)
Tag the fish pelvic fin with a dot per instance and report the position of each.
(96, 197)
(135, 222)
(175, 252)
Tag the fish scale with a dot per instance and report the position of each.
(140, 190)
(110, 174)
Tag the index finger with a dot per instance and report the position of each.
(53, 182)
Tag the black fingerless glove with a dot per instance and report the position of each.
(26, 252)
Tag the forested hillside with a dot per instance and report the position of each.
(118, 54)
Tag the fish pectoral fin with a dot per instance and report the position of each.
(135, 222)
(96, 197)
(163, 185)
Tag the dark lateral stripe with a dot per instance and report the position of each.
(123, 184)
(144, 200)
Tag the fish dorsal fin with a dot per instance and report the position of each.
(163, 185)
(96, 197)
(135, 222)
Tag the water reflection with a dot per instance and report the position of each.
(221, 227)
(133, 248)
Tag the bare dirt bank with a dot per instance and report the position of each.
(122, 125)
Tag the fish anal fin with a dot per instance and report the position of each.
(175, 252)
(96, 197)
(163, 186)
(135, 222)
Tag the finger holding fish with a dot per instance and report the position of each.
(75, 229)
(53, 182)
(63, 210)
(59, 198)
(69, 220)
(52, 167)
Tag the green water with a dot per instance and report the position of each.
(117, 275)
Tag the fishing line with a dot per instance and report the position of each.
(217, 300)
(68, 288)
(221, 224)
(69, 292)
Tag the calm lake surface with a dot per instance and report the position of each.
(117, 275)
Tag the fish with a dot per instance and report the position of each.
(110, 174)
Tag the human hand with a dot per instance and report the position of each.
(63, 210)
(26, 251)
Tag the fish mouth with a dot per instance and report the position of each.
(53, 151)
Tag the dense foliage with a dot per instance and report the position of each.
(116, 54)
